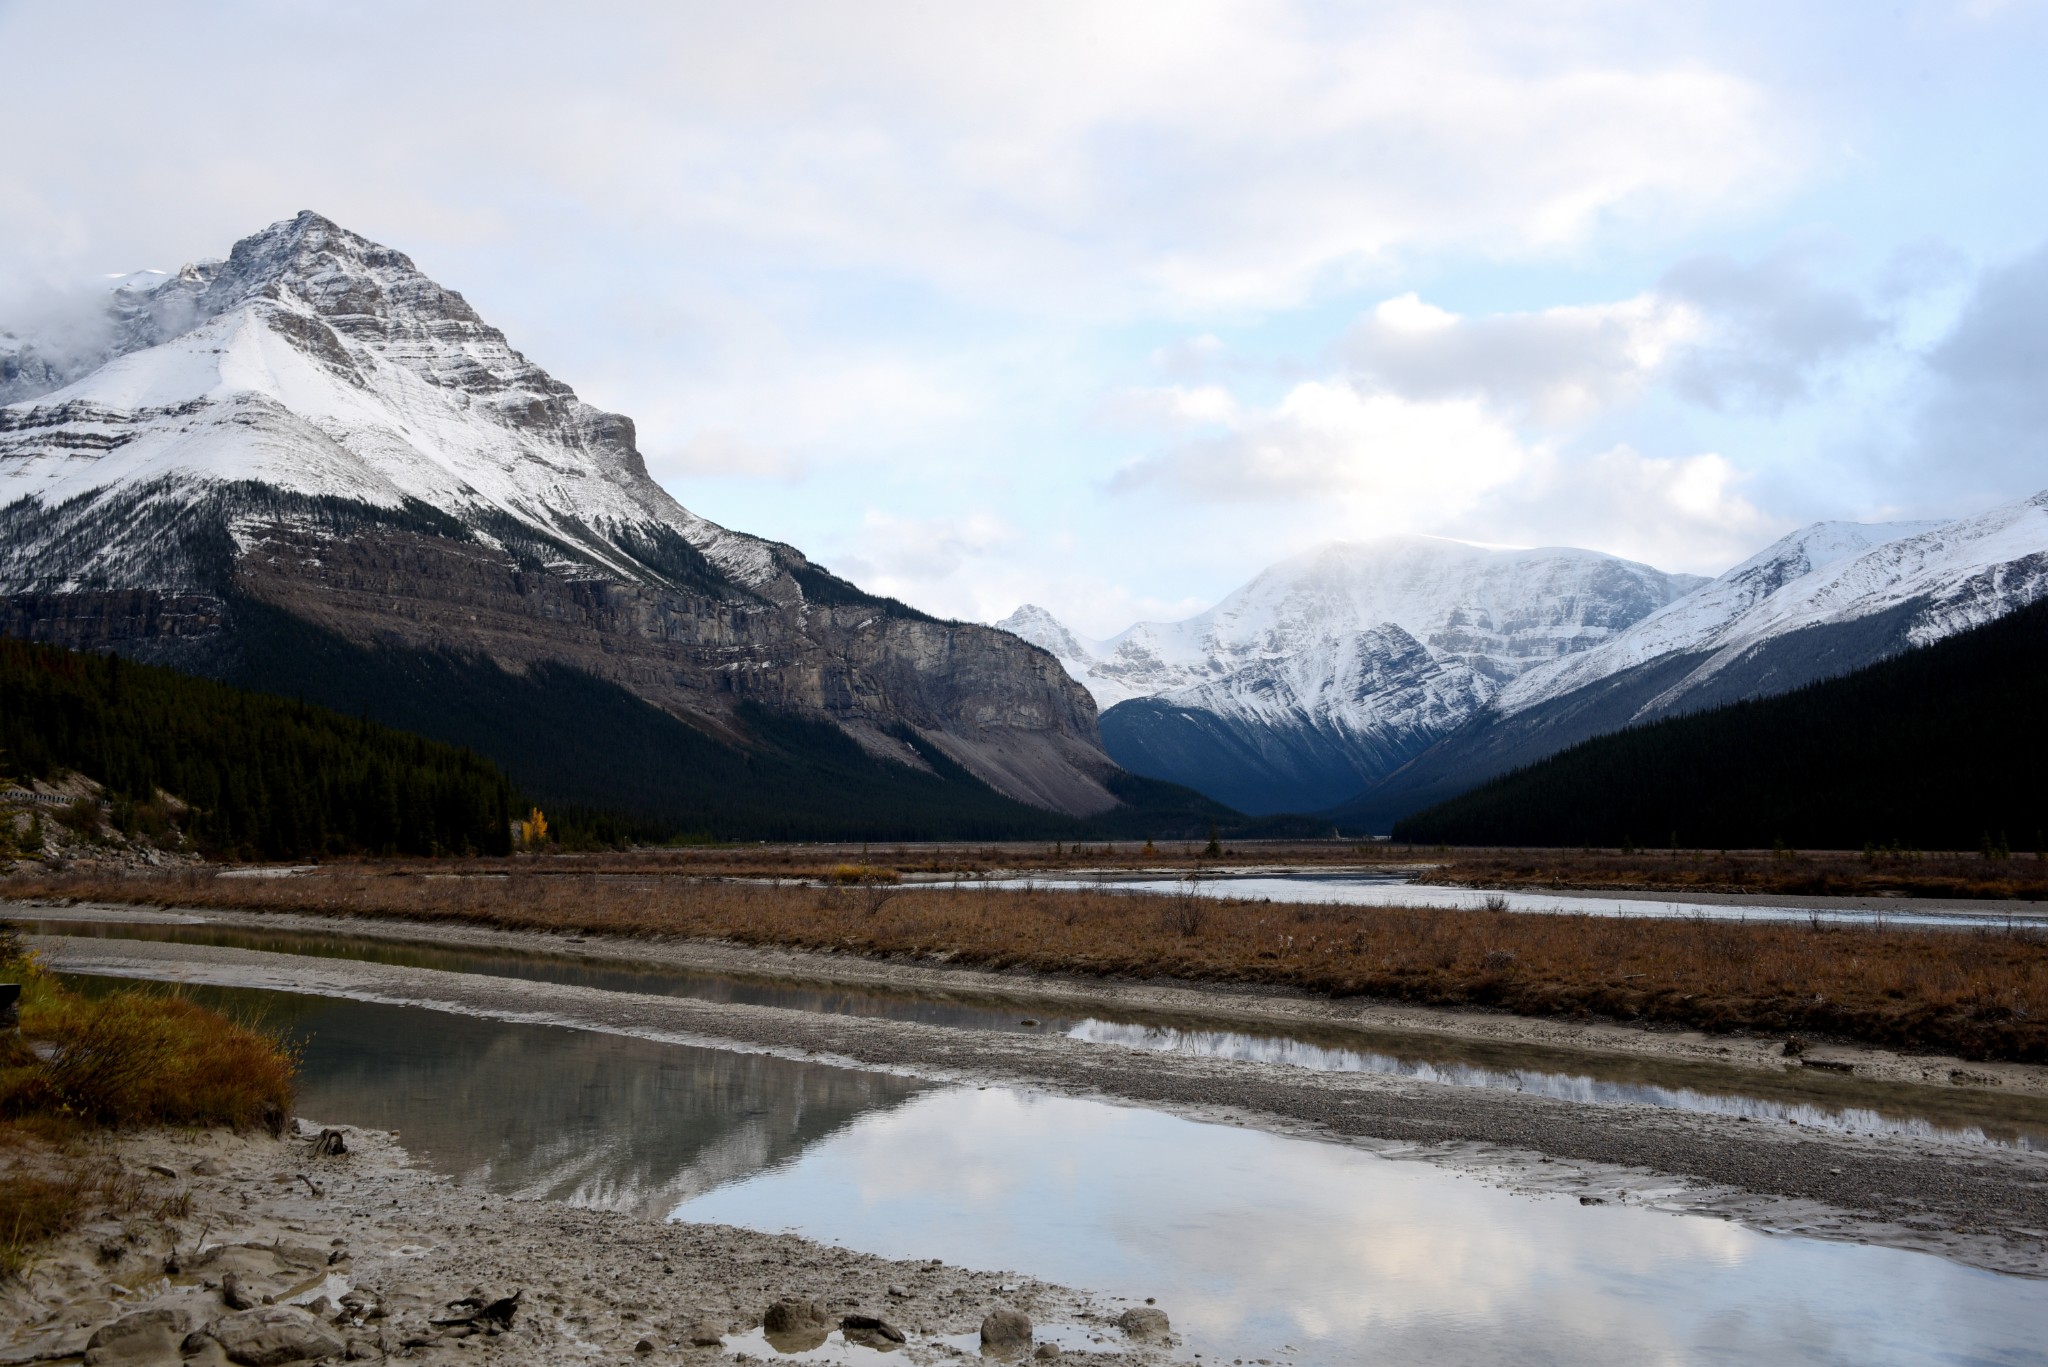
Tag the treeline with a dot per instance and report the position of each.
(1942, 748)
(264, 777)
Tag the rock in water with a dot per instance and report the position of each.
(233, 1296)
(272, 1336)
(1006, 1328)
(1145, 1322)
(149, 1336)
(872, 1331)
(794, 1315)
(795, 1325)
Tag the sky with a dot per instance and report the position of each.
(1107, 306)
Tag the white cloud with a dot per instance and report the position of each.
(1371, 461)
(1173, 407)
(1152, 154)
(1551, 367)
(934, 562)
(1675, 512)
(1773, 328)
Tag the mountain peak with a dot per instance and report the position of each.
(357, 285)
(1038, 626)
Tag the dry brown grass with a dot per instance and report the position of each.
(1814, 873)
(79, 1066)
(52, 1178)
(1780, 872)
(1982, 994)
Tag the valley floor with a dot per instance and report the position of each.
(1982, 1204)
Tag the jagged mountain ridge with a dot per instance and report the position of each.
(1332, 668)
(316, 426)
(1824, 601)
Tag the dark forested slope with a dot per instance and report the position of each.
(1944, 747)
(265, 777)
(611, 765)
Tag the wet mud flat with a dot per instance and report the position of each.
(1983, 1206)
(286, 1252)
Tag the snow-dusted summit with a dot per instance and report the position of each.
(1828, 599)
(1333, 667)
(316, 361)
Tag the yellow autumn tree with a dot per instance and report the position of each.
(533, 830)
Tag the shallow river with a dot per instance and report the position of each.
(1393, 890)
(1969, 1116)
(1260, 1247)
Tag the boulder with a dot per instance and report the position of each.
(871, 1331)
(233, 1296)
(794, 1315)
(273, 1335)
(1006, 1328)
(1145, 1322)
(703, 1334)
(146, 1337)
(795, 1325)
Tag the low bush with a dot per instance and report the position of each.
(81, 1064)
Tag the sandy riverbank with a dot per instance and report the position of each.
(375, 1249)
(1983, 1205)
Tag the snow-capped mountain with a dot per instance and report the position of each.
(1828, 599)
(313, 426)
(315, 361)
(1332, 668)
(1754, 592)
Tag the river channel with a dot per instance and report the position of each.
(1261, 1247)
(1395, 890)
(1795, 1094)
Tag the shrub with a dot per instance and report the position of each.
(137, 1058)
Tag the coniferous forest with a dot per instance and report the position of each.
(1941, 748)
(265, 777)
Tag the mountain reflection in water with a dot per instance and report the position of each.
(568, 1115)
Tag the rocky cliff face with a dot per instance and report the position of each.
(315, 425)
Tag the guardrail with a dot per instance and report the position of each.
(24, 795)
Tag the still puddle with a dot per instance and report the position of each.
(1391, 890)
(1797, 1095)
(1258, 1246)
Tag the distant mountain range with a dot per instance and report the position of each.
(311, 469)
(1331, 670)
(1414, 670)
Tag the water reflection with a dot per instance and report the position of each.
(1967, 1115)
(568, 1115)
(1390, 890)
(1253, 1242)
(1577, 1087)
(1250, 1241)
